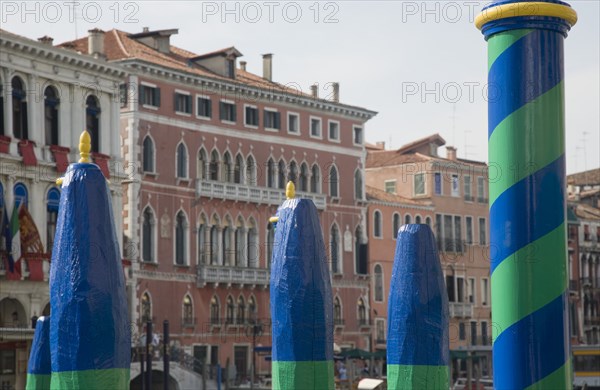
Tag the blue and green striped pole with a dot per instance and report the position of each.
(90, 342)
(38, 367)
(301, 300)
(418, 345)
(526, 130)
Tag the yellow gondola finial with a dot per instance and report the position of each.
(290, 190)
(85, 145)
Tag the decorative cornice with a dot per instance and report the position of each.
(273, 95)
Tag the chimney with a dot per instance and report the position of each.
(314, 91)
(145, 29)
(243, 65)
(268, 66)
(96, 43)
(380, 145)
(46, 40)
(451, 153)
(336, 92)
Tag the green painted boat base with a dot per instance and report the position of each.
(38, 382)
(113, 378)
(303, 375)
(401, 377)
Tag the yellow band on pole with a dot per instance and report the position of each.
(512, 10)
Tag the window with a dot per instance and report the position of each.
(19, 109)
(21, 195)
(252, 249)
(419, 183)
(92, 120)
(146, 307)
(150, 95)
(362, 312)
(462, 331)
(358, 135)
(360, 252)
(202, 170)
(481, 190)
(188, 311)
(390, 186)
(395, 225)
(469, 230)
(315, 179)
(252, 309)
(428, 221)
(407, 219)
(227, 111)
(337, 312)
(226, 245)
(250, 171)
(482, 232)
(293, 172)
(377, 224)
(334, 248)
(460, 288)
(51, 102)
(437, 179)
(471, 294)
(182, 161)
(251, 116)
(380, 331)
(180, 238)
(238, 169)
(473, 333)
(214, 245)
(201, 247)
(333, 182)
(484, 333)
(293, 123)
(303, 179)
(378, 290)
(227, 168)
(241, 311)
(484, 292)
(215, 310)
(123, 95)
(449, 233)
(272, 119)
(455, 185)
(358, 185)
(183, 103)
(270, 242)
(418, 219)
(334, 131)
(467, 188)
(271, 173)
(315, 127)
(450, 282)
(230, 311)
(213, 166)
(148, 155)
(281, 174)
(148, 223)
(1, 109)
(204, 107)
(53, 200)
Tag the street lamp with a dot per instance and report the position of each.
(254, 329)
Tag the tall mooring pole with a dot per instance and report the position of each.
(526, 130)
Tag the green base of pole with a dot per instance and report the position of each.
(303, 375)
(114, 378)
(400, 377)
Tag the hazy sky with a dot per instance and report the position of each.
(421, 65)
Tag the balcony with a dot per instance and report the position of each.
(188, 322)
(482, 200)
(244, 193)
(469, 198)
(460, 310)
(381, 341)
(364, 323)
(218, 274)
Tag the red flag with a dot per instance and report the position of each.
(30, 237)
